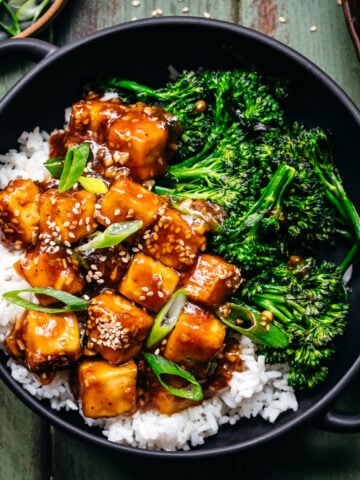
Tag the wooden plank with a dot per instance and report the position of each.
(86, 16)
(314, 28)
(24, 441)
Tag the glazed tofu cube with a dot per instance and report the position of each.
(106, 390)
(198, 335)
(51, 340)
(90, 118)
(50, 266)
(142, 134)
(19, 214)
(148, 282)
(173, 240)
(127, 200)
(211, 280)
(67, 216)
(116, 328)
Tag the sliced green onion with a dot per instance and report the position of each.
(112, 235)
(30, 10)
(93, 184)
(72, 302)
(166, 319)
(55, 166)
(249, 322)
(161, 366)
(74, 164)
(14, 29)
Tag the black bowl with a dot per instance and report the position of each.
(143, 51)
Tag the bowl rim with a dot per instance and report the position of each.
(319, 405)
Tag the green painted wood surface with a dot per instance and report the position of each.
(29, 448)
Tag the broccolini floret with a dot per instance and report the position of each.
(309, 301)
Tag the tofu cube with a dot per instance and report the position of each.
(106, 390)
(90, 118)
(50, 266)
(128, 200)
(142, 133)
(19, 214)
(198, 335)
(116, 328)
(211, 281)
(67, 216)
(148, 282)
(173, 240)
(51, 340)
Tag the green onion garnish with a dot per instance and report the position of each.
(72, 302)
(55, 166)
(112, 235)
(93, 184)
(166, 319)
(30, 10)
(249, 322)
(161, 366)
(74, 164)
(14, 28)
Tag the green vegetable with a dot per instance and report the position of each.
(30, 10)
(55, 166)
(241, 97)
(74, 164)
(309, 301)
(166, 319)
(14, 27)
(93, 184)
(72, 302)
(112, 235)
(161, 366)
(253, 324)
(253, 240)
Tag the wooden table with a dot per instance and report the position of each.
(29, 448)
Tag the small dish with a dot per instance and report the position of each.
(352, 16)
(33, 28)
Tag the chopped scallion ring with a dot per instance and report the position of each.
(249, 322)
(166, 319)
(93, 184)
(161, 366)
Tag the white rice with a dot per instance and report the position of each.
(260, 390)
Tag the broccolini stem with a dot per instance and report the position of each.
(281, 314)
(135, 87)
(352, 253)
(271, 195)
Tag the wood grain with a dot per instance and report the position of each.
(305, 454)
